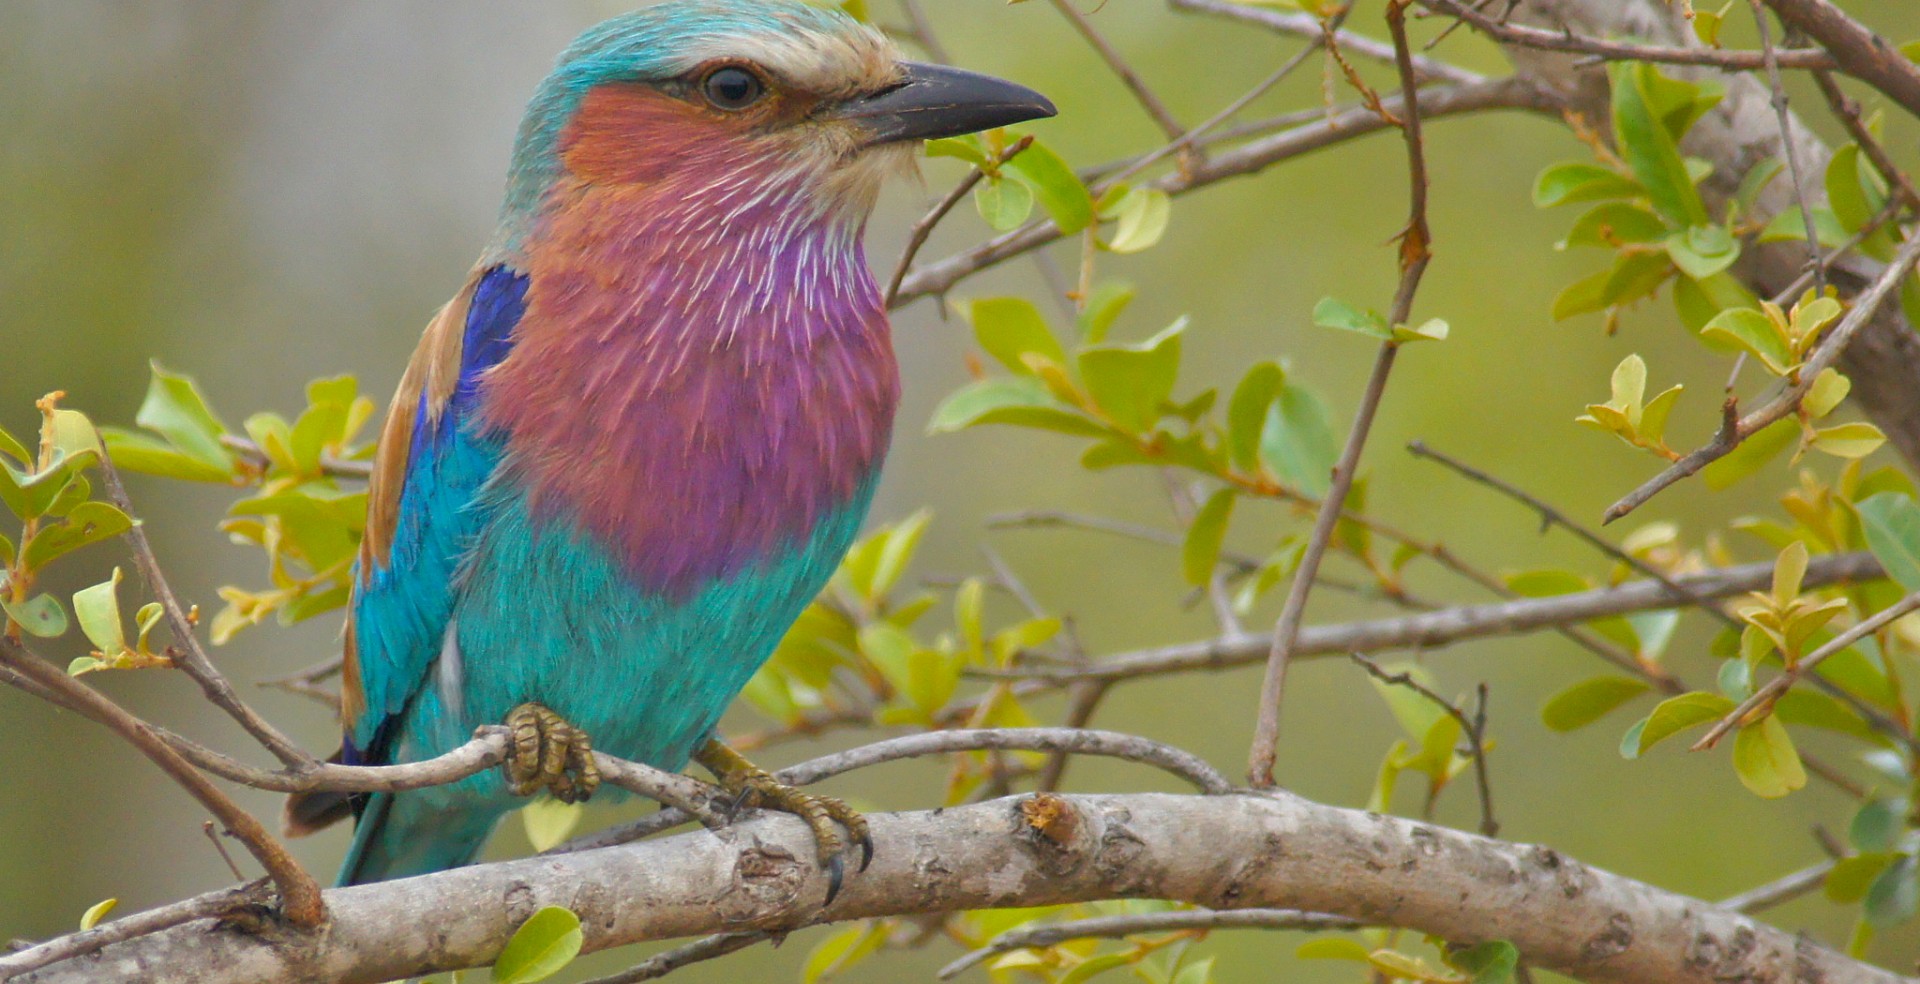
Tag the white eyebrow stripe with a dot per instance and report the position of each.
(819, 62)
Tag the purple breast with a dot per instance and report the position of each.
(698, 379)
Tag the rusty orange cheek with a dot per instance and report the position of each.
(628, 133)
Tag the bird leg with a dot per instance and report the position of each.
(544, 751)
(754, 787)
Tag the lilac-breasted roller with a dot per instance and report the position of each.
(640, 438)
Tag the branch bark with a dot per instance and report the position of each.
(1243, 850)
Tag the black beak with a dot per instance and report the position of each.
(934, 101)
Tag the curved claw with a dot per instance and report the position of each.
(753, 786)
(546, 752)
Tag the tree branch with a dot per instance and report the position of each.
(1266, 850)
(1507, 32)
(1117, 927)
(1859, 52)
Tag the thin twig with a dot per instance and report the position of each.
(300, 900)
(1764, 698)
(1142, 93)
(1847, 111)
(329, 465)
(190, 657)
(923, 32)
(1473, 727)
(661, 964)
(1414, 256)
(1855, 48)
(1607, 50)
(1312, 28)
(1107, 744)
(1115, 927)
(922, 229)
(1734, 431)
(1783, 889)
(1816, 261)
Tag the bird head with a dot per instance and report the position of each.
(692, 95)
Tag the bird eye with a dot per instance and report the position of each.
(733, 88)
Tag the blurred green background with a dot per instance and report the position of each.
(258, 193)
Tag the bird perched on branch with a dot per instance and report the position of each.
(639, 439)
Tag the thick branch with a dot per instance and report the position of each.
(1271, 850)
(1860, 52)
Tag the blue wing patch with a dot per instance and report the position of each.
(401, 612)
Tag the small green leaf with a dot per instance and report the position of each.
(842, 950)
(1143, 217)
(175, 409)
(549, 822)
(1613, 224)
(1298, 443)
(1333, 948)
(1102, 308)
(1788, 226)
(1891, 522)
(1755, 333)
(1850, 878)
(1828, 389)
(1894, 896)
(1589, 701)
(1493, 962)
(969, 148)
(1011, 328)
(14, 449)
(1878, 825)
(1643, 136)
(86, 524)
(1702, 251)
(1430, 330)
(1765, 759)
(97, 912)
(1130, 383)
(1020, 402)
(1202, 549)
(1332, 312)
(1092, 967)
(1004, 204)
(1247, 412)
(1855, 440)
(40, 616)
(1057, 187)
(1752, 455)
(97, 609)
(1676, 714)
(1580, 182)
(542, 947)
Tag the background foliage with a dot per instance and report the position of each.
(259, 194)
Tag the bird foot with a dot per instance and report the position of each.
(753, 787)
(545, 752)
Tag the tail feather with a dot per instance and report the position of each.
(399, 836)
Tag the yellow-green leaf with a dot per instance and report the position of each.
(1765, 759)
(542, 947)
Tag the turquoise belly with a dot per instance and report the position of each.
(544, 615)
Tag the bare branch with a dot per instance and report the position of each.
(1859, 52)
(1606, 50)
(917, 238)
(213, 905)
(1474, 728)
(1816, 263)
(299, 894)
(1427, 70)
(1783, 889)
(708, 948)
(1266, 850)
(1142, 93)
(1414, 256)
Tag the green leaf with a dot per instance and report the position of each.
(1850, 878)
(1855, 440)
(1247, 412)
(1130, 383)
(1493, 962)
(1676, 714)
(136, 452)
(1752, 455)
(1765, 759)
(1891, 523)
(97, 912)
(1004, 204)
(542, 947)
(1589, 701)
(1828, 390)
(1648, 145)
(13, 448)
(1850, 193)
(1010, 328)
(6, 552)
(1331, 312)
(1788, 226)
(1878, 825)
(1054, 183)
(1143, 214)
(1102, 308)
(896, 551)
(841, 950)
(1583, 296)
(175, 409)
(86, 524)
(1895, 895)
(549, 822)
(1297, 442)
(969, 148)
(97, 609)
(1755, 333)
(1430, 330)
(1575, 181)
(1201, 551)
(39, 616)
(1702, 250)
(1612, 224)
(1093, 966)
(1021, 402)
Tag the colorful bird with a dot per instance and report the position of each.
(638, 441)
